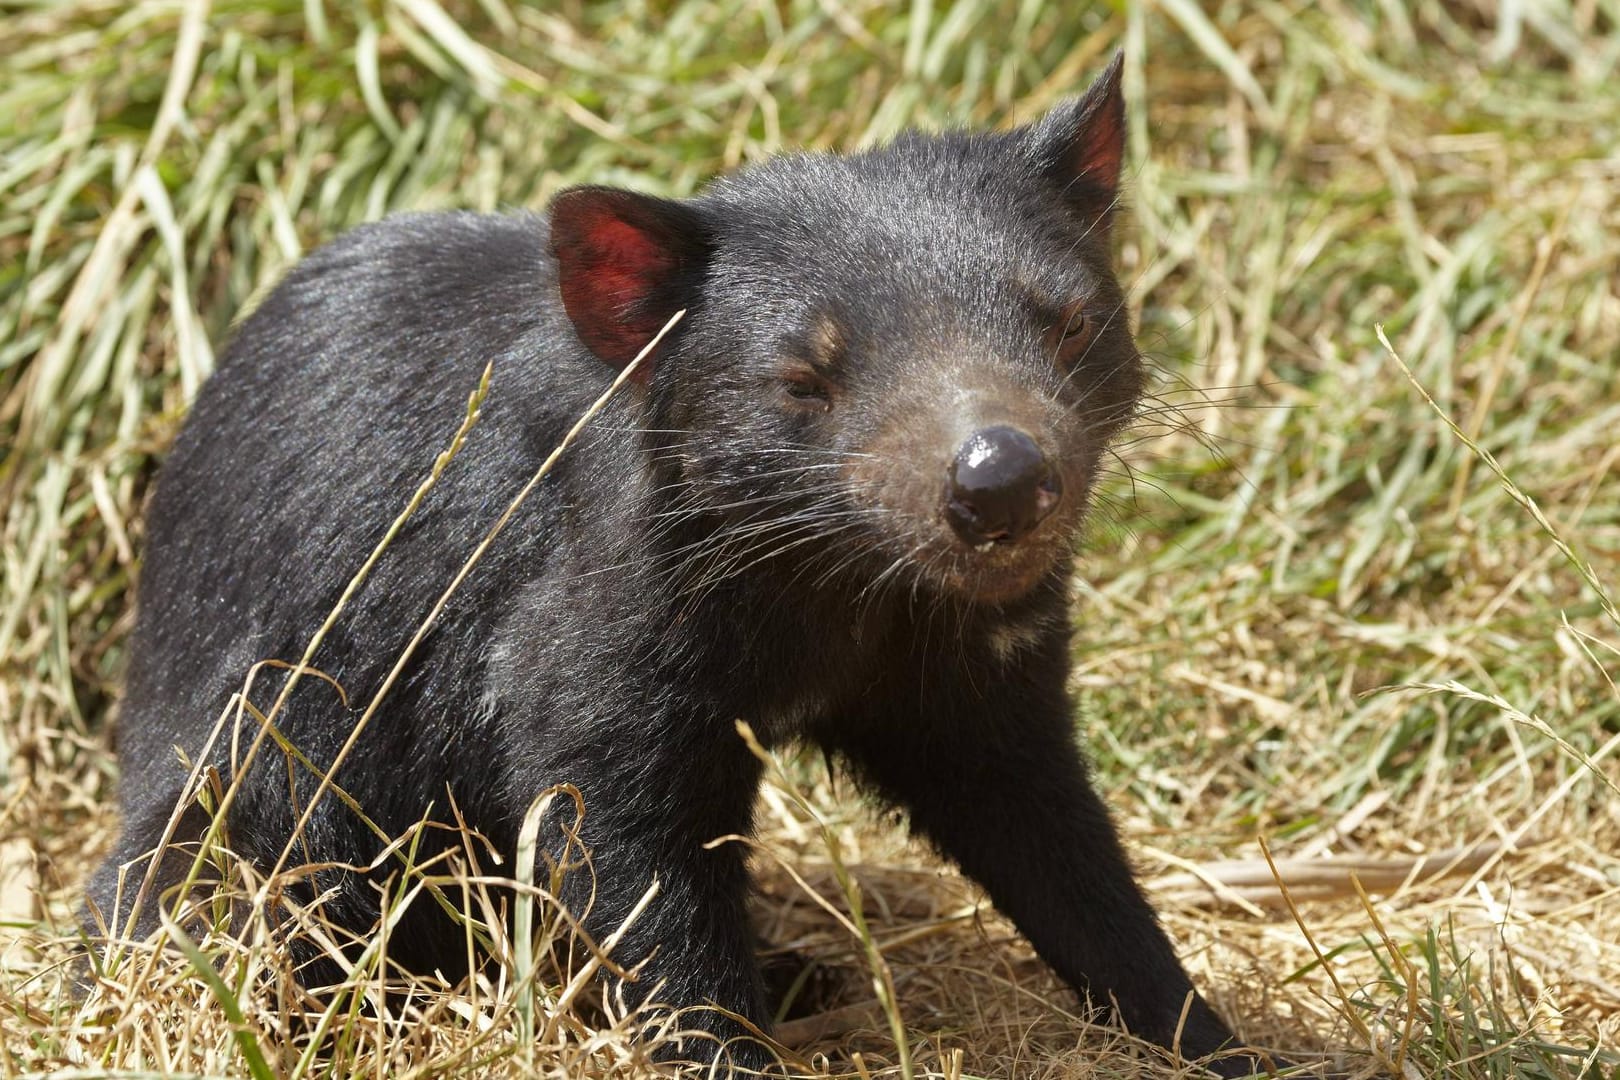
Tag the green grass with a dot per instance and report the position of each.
(1328, 607)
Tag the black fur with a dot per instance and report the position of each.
(721, 544)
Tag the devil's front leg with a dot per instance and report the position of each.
(991, 774)
(657, 790)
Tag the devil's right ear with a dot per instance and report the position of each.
(625, 264)
(1080, 144)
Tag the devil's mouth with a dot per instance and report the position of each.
(986, 582)
(993, 572)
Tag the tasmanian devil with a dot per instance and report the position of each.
(839, 500)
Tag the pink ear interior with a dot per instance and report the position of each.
(1099, 151)
(618, 259)
(1085, 140)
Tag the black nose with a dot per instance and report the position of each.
(1000, 487)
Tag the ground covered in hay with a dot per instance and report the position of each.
(1348, 606)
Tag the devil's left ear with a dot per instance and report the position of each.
(1081, 143)
(625, 264)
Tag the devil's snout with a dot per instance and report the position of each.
(999, 487)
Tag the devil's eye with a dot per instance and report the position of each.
(1071, 335)
(805, 387)
(1076, 324)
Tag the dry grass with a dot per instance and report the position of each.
(1335, 614)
